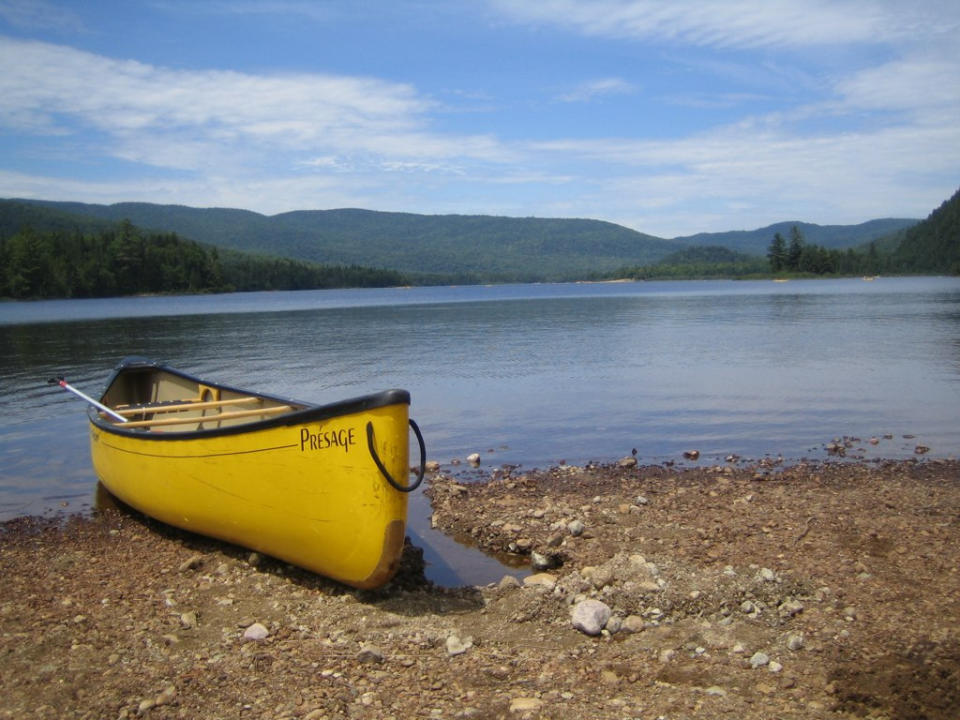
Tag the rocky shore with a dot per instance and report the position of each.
(745, 591)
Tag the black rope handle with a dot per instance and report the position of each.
(421, 471)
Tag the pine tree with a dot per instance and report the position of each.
(777, 253)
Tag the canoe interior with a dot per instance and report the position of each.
(158, 399)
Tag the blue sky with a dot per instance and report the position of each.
(668, 117)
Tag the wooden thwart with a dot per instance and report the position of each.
(208, 418)
(185, 405)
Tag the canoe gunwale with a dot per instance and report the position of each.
(309, 412)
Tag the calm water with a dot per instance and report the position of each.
(525, 374)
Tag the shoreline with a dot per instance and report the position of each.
(821, 590)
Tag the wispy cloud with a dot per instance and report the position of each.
(585, 92)
(187, 118)
(40, 15)
(729, 23)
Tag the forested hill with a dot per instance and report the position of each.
(50, 254)
(833, 237)
(934, 244)
(477, 246)
(480, 248)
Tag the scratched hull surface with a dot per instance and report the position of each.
(300, 482)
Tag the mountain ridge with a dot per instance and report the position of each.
(485, 247)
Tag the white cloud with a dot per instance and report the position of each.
(743, 23)
(917, 84)
(587, 91)
(190, 118)
(740, 23)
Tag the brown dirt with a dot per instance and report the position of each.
(845, 576)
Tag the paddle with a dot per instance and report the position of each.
(66, 386)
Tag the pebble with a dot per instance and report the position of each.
(590, 616)
(545, 580)
(257, 631)
(767, 575)
(576, 528)
(540, 561)
(188, 620)
(759, 659)
(456, 646)
(192, 563)
(525, 704)
(370, 654)
(789, 608)
(508, 582)
(795, 642)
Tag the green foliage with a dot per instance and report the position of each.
(490, 249)
(810, 259)
(697, 262)
(934, 244)
(79, 250)
(124, 260)
(833, 237)
(777, 254)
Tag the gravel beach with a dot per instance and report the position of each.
(744, 590)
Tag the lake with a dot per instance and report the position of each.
(528, 375)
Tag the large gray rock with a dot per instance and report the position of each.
(590, 616)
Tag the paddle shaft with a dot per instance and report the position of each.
(100, 406)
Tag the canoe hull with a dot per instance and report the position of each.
(303, 488)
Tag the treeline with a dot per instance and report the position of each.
(698, 262)
(797, 256)
(934, 244)
(124, 260)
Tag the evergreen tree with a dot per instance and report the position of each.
(795, 250)
(777, 253)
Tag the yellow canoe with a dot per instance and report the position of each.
(323, 487)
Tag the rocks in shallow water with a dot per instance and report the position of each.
(590, 616)
(691, 454)
(473, 458)
(627, 462)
